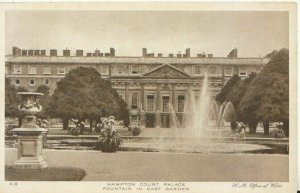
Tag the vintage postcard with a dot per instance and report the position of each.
(148, 97)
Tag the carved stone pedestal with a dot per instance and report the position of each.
(30, 145)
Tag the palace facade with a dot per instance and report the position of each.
(150, 84)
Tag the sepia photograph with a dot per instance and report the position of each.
(149, 98)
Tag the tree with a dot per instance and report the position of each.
(12, 101)
(267, 98)
(226, 91)
(44, 100)
(83, 94)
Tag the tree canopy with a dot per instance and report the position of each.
(82, 94)
(267, 98)
(44, 100)
(226, 91)
(12, 100)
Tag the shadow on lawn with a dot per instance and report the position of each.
(47, 174)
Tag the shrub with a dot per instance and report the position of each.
(74, 131)
(109, 140)
(136, 130)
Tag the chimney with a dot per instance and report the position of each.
(209, 55)
(201, 55)
(24, 52)
(101, 54)
(179, 55)
(88, 54)
(151, 55)
(171, 55)
(160, 55)
(97, 53)
(106, 54)
(30, 52)
(112, 52)
(188, 52)
(144, 52)
(66, 52)
(79, 52)
(53, 52)
(16, 51)
(233, 53)
(43, 52)
(36, 52)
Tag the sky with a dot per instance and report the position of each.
(254, 34)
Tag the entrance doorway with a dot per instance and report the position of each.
(150, 120)
(165, 121)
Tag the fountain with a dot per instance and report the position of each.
(30, 136)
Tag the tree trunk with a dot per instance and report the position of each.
(91, 126)
(233, 126)
(65, 122)
(286, 128)
(20, 119)
(80, 125)
(252, 127)
(266, 127)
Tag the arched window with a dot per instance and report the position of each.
(17, 82)
(32, 82)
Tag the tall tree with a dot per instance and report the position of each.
(44, 100)
(83, 94)
(267, 98)
(226, 91)
(12, 101)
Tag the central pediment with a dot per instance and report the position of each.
(166, 71)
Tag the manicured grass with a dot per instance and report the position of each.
(47, 174)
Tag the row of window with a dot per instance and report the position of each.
(31, 82)
(120, 70)
(150, 102)
(33, 70)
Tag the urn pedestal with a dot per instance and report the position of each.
(30, 146)
(30, 136)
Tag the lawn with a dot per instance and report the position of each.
(47, 174)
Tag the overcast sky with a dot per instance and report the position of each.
(252, 33)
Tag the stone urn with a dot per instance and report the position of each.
(30, 136)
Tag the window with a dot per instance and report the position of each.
(134, 118)
(242, 71)
(150, 103)
(257, 70)
(181, 103)
(104, 70)
(227, 71)
(120, 70)
(134, 100)
(60, 70)
(122, 96)
(197, 70)
(134, 70)
(47, 70)
(212, 70)
(31, 82)
(47, 82)
(17, 69)
(17, 82)
(31, 69)
(165, 103)
(6, 69)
